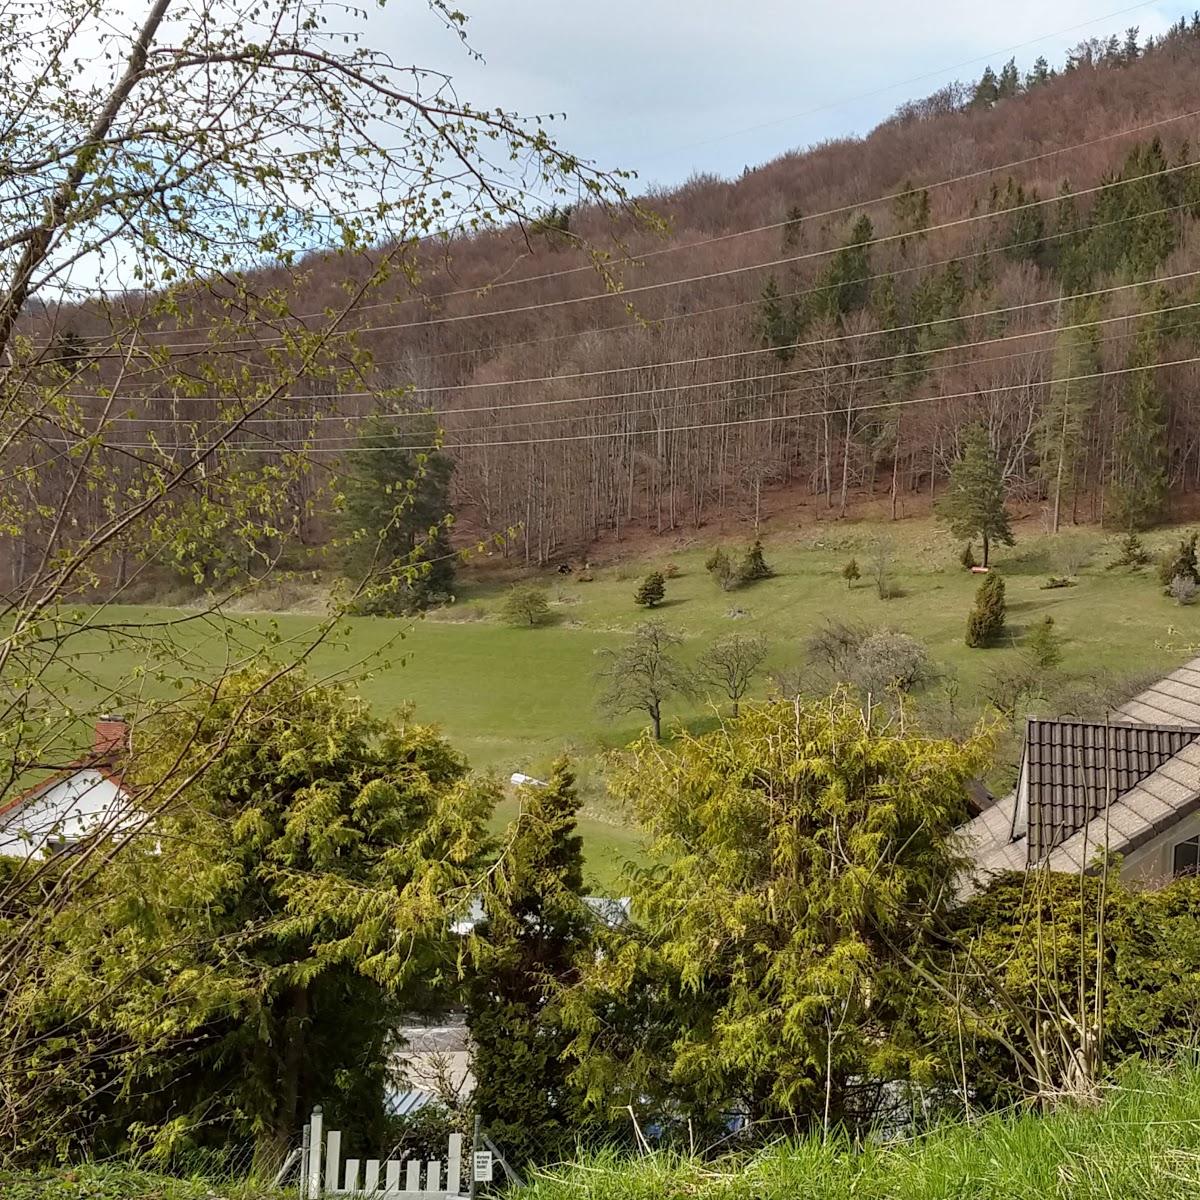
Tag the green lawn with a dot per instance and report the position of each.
(514, 698)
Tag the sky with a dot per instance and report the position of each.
(673, 87)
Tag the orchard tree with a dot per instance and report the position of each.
(644, 674)
(526, 604)
(535, 930)
(805, 852)
(730, 664)
(974, 504)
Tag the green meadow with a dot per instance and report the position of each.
(514, 698)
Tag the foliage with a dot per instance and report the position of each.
(1183, 590)
(800, 847)
(754, 566)
(255, 948)
(396, 519)
(1182, 564)
(730, 664)
(1132, 553)
(1116, 1150)
(967, 557)
(1023, 961)
(534, 931)
(974, 504)
(651, 591)
(644, 674)
(118, 1181)
(720, 567)
(526, 604)
(1044, 644)
(851, 573)
(986, 620)
(887, 661)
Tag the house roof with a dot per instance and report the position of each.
(1073, 769)
(1145, 763)
(1173, 700)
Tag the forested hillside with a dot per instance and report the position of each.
(1021, 251)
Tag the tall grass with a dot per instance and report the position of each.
(1143, 1143)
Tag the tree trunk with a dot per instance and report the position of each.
(272, 1143)
(985, 549)
(656, 721)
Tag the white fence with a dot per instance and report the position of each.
(324, 1174)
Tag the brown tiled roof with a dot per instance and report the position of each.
(1074, 768)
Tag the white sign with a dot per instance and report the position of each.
(482, 1172)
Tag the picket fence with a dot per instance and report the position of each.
(324, 1174)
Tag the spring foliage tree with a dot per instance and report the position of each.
(974, 504)
(255, 949)
(526, 604)
(800, 847)
(534, 931)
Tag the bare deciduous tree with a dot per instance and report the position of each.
(731, 663)
(644, 674)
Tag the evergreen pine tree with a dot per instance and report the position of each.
(987, 90)
(1045, 645)
(754, 565)
(851, 573)
(776, 328)
(1039, 74)
(1181, 564)
(1009, 83)
(845, 284)
(535, 931)
(1138, 492)
(396, 518)
(974, 504)
(651, 590)
(986, 620)
(1150, 235)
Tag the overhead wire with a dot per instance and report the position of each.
(640, 289)
(741, 421)
(807, 344)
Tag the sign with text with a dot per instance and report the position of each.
(483, 1166)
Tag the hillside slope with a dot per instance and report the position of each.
(1022, 252)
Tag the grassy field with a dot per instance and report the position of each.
(1143, 1144)
(513, 698)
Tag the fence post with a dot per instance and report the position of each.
(474, 1146)
(305, 1135)
(314, 1154)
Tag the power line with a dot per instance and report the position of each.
(608, 434)
(389, 441)
(787, 260)
(927, 266)
(833, 339)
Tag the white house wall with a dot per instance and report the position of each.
(67, 810)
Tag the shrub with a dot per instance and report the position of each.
(671, 570)
(754, 565)
(1183, 590)
(1057, 581)
(888, 660)
(1181, 564)
(651, 590)
(526, 604)
(967, 557)
(986, 621)
(1131, 552)
(851, 573)
(720, 567)
(1044, 644)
